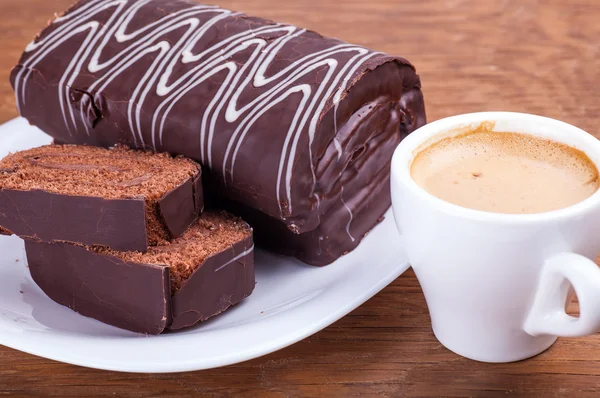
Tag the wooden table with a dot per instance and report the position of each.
(477, 55)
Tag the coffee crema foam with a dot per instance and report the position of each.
(505, 172)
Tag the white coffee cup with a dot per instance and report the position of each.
(497, 284)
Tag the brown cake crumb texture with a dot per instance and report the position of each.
(213, 233)
(114, 173)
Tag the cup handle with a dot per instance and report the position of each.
(547, 315)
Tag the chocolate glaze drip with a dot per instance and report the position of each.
(294, 130)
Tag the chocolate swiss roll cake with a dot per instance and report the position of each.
(171, 286)
(117, 197)
(295, 131)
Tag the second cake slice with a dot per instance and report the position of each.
(119, 198)
(171, 286)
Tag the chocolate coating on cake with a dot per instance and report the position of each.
(130, 296)
(223, 280)
(182, 205)
(118, 223)
(285, 122)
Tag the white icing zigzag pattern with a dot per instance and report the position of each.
(159, 80)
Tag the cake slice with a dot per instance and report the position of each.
(173, 285)
(120, 198)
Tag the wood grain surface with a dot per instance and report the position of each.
(532, 56)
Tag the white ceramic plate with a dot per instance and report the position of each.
(291, 301)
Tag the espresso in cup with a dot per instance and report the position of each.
(504, 172)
